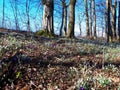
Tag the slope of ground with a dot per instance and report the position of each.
(40, 63)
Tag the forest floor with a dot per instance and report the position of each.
(40, 63)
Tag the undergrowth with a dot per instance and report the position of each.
(69, 64)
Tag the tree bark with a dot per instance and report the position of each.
(119, 22)
(80, 25)
(16, 15)
(108, 26)
(113, 9)
(61, 27)
(47, 23)
(91, 19)
(28, 16)
(71, 24)
(15, 12)
(94, 16)
(64, 19)
(3, 17)
(87, 17)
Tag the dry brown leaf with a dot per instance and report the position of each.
(26, 87)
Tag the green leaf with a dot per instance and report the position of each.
(18, 74)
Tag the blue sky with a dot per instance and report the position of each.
(36, 15)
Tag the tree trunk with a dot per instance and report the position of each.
(64, 18)
(119, 22)
(44, 21)
(47, 23)
(91, 18)
(113, 9)
(80, 25)
(71, 24)
(15, 12)
(94, 15)
(3, 13)
(103, 28)
(51, 31)
(28, 16)
(87, 18)
(16, 15)
(108, 26)
(61, 28)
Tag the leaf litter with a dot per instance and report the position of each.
(57, 64)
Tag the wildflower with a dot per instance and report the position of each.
(30, 46)
(82, 88)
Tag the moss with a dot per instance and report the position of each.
(44, 33)
(40, 32)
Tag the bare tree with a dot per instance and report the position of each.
(71, 23)
(80, 21)
(113, 9)
(64, 18)
(27, 13)
(14, 5)
(94, 16)
(48, 16)
(108, 25)
(91, 19)
(16, 15)
(3, 14)
(87, 17)
(119, 22)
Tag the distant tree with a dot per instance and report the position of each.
(3, 12)
(100, 9)
(14, 5)
(16, 15)
(87, 18)
(80, 18)
(28, 14)
(71, 23)
(48, 16)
